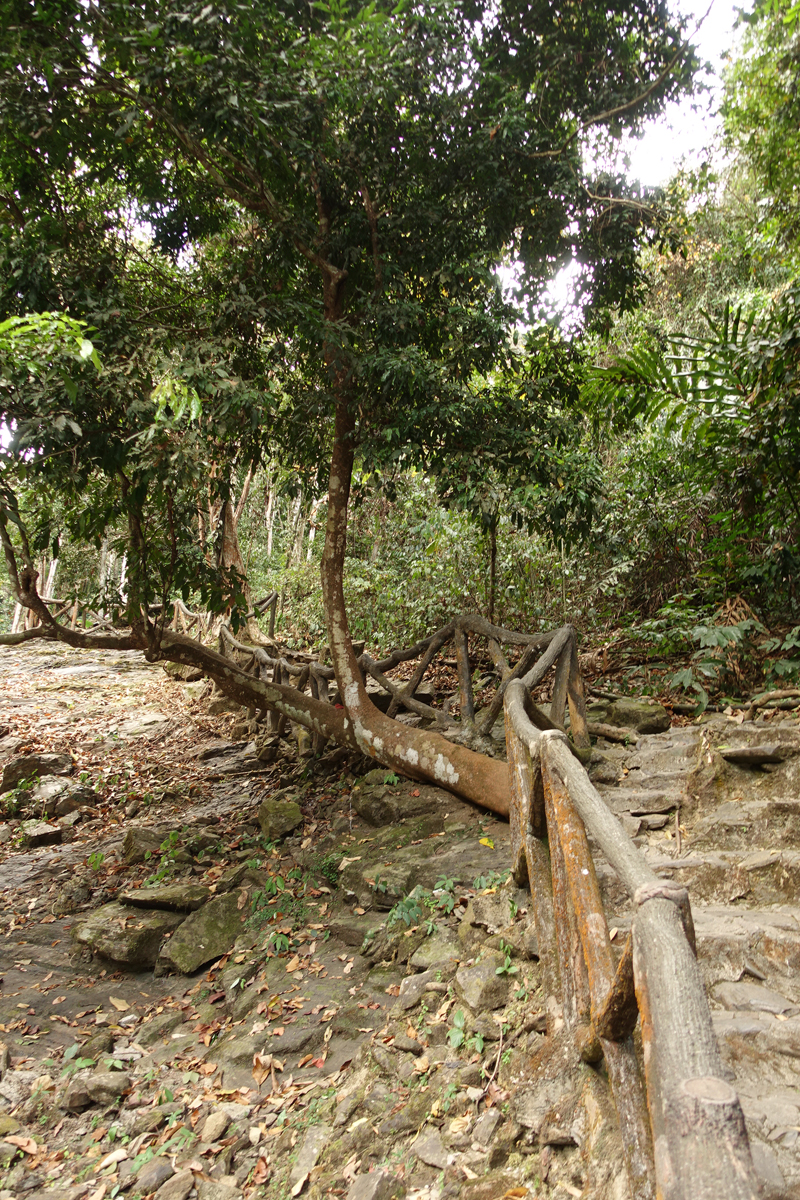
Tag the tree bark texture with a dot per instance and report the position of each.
(420, 754)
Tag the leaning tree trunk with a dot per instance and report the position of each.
(419, 753)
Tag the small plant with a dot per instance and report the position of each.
(12, 801)
(783, 670)
(169, 850)
(74, 1062)
(456, 1035)
(278, 943)
(391, 779)
(381, 886)
(448, 1096)
(507, 968)
(96, 860)
(492, 880)
(445, 899)
(328, 867)
(408, 910)
(477, 1043)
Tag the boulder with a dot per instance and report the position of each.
(125, 935)
(643, 716)
(480, 986)
(106, 1087)
(377, 1185)
(184, 674)
(76, 1095)
(434, 951)
(279, 818)
(177, 1187)
(312, 1146)
(221, 704)
(153, 1174)
(139, 842)
(429, 1149)
(206, 934)
(40, 833)
(16, 1086)
(379, 803)
(144, 724)
(214, 1127)
(753, 997)
(173, 897)
(29, 766)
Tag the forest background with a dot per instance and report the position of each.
(647, 489)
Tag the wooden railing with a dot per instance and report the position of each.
(682, 1126)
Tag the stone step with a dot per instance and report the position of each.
(638, 801)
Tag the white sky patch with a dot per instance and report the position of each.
(687, 129)
(684, 135)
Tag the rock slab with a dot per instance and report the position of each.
(128, 936)
(205, 934)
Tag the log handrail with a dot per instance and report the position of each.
(683, 1130)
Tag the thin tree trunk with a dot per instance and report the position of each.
(312, 527)
(492, 566)
(270, 516)
(51, 579)
(419, 753)
(291, 532)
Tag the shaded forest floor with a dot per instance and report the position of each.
(224, 977)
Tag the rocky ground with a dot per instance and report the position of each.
(229, 970)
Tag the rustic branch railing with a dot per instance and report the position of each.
(694, 1145)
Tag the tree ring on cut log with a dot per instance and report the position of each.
(710, 1089)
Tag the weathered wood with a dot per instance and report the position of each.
(699, 1134)
(600, 822)
(434, 646)
(630, 1102)
(558, 698)
(616, 1017)
(488, 719)
(540, 881)
(543, 665)
(521, 771)
(612, 733)
(700, 1141)
(576, 696)
(566, 929)
(516, 708)
(587, 905)
(464, 676)
(397, 692)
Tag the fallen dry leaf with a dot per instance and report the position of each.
(261, 1173)
(25, 1144)
(114, 1157)
(293, 963)
(119, 1004)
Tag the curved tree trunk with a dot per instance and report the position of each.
(419, 753)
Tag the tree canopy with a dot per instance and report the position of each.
(282, 223)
